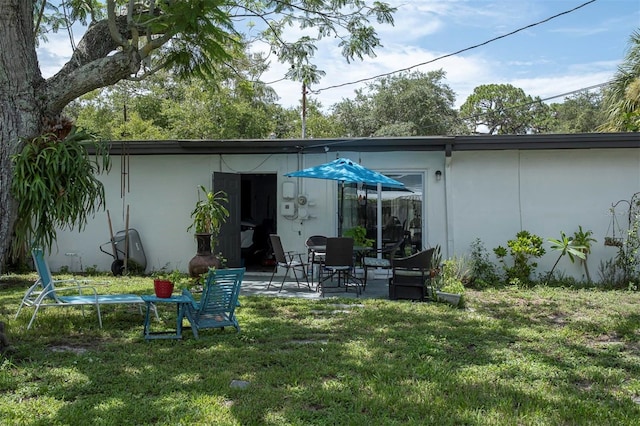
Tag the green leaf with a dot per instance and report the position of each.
(58, 189)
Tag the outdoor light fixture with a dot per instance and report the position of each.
(438, 175)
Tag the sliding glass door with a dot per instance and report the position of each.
(401, 211)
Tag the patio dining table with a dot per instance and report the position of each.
(359, 252)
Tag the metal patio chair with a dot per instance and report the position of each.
(316, 256)
(289, 260)
(339, 263)
(383, 262)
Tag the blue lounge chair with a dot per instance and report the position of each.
(47, 292)
(218, 302)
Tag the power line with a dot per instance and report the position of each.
(584, 89)
(538, 101)
(457, 52)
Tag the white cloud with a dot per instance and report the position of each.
(57, 51)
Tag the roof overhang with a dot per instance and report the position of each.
(445, 144)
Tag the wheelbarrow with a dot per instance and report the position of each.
(126, 250)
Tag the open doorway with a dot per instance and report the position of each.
(258, 197)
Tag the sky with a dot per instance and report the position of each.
(570, 52)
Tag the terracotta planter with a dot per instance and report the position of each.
(163, 288)
(204, 258)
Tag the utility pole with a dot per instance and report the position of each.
(304, 111)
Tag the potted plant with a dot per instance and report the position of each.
(452, 292)
(164, 282)
(451, 287)
(208, 216)
(359, 235)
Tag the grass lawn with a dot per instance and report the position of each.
(515, 357)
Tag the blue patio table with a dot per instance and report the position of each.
(180, 302)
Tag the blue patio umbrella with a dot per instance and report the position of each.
(345, 170)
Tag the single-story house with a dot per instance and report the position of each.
(462, 188)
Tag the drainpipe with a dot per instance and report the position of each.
(379, 220)
(448, 202)
(300, 167)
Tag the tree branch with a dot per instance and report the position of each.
(96, 74)
(40, 14)
(113, 28)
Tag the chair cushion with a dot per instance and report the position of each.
(374, 261)
(338, 268)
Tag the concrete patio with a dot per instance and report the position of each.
(255, 283)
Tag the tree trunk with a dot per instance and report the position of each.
(21, 112)
(30, 105)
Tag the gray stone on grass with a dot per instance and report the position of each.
(239, 384)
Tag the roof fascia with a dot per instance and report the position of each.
(446, 144)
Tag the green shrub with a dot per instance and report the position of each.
(524, 250)
(484, 272)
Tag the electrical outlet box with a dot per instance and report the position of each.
(287, 209)
(288, 190)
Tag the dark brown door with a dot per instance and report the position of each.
(229, 240)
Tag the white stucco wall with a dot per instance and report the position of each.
(489, 195)
(163, 190)
(498, 193)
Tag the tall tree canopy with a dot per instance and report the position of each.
(162, 107)
(579, 113)
(131, 40)
(622, 96)
(503, 109)
(406, 104)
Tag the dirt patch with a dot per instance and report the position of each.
(557, 319)
(608, 338)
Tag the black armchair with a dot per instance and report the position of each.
(411, 276)
(384, 262)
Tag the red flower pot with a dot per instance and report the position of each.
(163, 288)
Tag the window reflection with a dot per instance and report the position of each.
(401, 211)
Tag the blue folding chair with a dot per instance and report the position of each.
(217, 305)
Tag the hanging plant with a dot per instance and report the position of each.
(55, 185)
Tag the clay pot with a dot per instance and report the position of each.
(204, 258)
(163, 288)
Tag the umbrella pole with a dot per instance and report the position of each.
(341, 210)
(379, 220)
